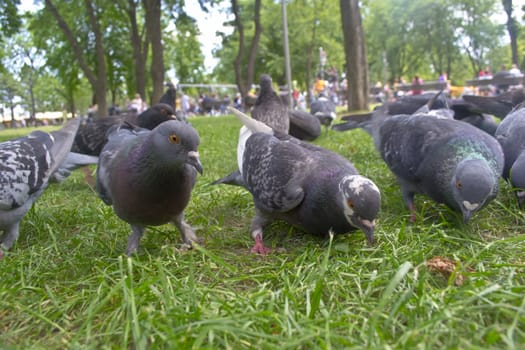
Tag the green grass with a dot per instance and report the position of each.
(67, 285)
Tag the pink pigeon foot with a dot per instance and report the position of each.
(259, 247)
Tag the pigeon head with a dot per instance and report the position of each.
(361, 203)
(517, 178)
(472, 185)
(177, 143)
(155, 115)
(265, 82)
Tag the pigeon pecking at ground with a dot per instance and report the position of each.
(511, 136)
(304, 185)
(26, 166)
(324, 109)
(148, 176)
(450, 161)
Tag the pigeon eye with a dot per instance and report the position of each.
(174, 139)
(459, 185)
(350, 203)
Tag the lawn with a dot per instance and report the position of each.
(67, 285)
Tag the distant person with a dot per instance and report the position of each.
(417, 82)
(319, 86)
(185, 104)
(515, 70)
(137, 104)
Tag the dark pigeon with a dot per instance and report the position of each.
(499, 105)
(148, 176)
(304, 125)
(92, 137)
(170, 96)
(268, 109)
(511, 136)
(305, 185)
(460, 109)
(324, 110)
(26, 165)
(450, 161)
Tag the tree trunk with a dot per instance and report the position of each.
(355, 52)
(513, 29)
(98, 80)
(154, 33)
(245, 82)
(139, 44)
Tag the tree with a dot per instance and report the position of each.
(513, 29)
(10, 91)
(154, 32)
(244, 79)
(355, 51)
(96, 76)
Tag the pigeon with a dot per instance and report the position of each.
(148, 176)
(268, 109)
(304, 125)
(305, 185)
(450, 161)
(91, 137)
(26, 165)
(511, 136)
(459, 109)
(499, 105)
(324, 110)
(170, 96)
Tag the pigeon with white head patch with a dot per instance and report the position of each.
(148, 176)
(25, 168)
(305, 185)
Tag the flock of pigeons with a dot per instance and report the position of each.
(449, 150)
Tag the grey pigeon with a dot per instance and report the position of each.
(511, 136)
(450, 161)
(26, 166)
(92, 137)
(460, 109)
(499, 105)
(304, 125)
(268, 109)
(305, 185)
(148, 176)
(324, 110)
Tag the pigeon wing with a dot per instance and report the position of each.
(273, 171)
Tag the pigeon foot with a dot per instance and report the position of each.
(259, 247)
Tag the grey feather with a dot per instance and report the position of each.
(305, 185)
(27, 164)
(269, 108)
(324, 110)
(148, 176)
(450, 161)
(511, 136)
(270, 111)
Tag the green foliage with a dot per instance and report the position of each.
(67, 284)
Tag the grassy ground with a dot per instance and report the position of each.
(66, 283)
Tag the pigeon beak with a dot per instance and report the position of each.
(367, 227)
(466, 215)
(193, 160)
